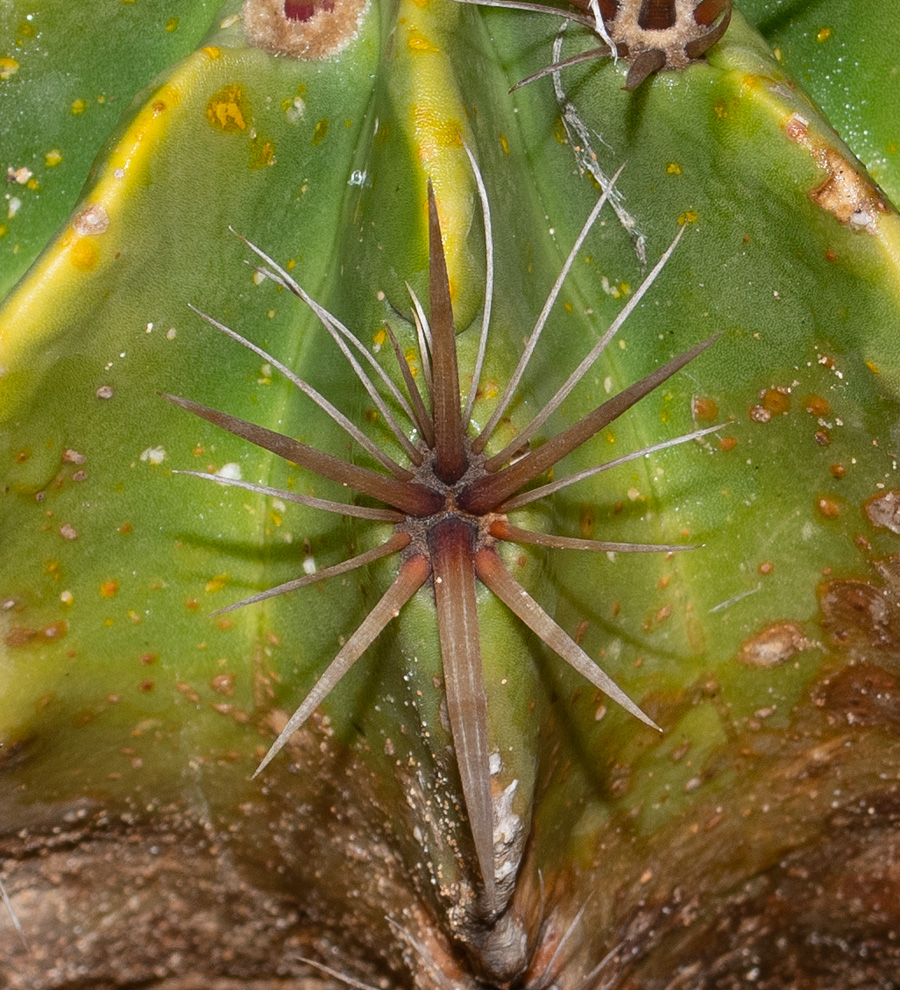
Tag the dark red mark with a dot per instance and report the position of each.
(303, 10)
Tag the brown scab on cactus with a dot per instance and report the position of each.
(308, 29)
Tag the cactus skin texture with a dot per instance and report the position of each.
(136, 849)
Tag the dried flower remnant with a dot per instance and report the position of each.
(650, 35)
(449, 504)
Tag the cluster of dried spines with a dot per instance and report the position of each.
(450, 503)
(649, 34)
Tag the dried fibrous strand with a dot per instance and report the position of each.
(334, 974)
(17, 924)
(412, 575)
(591, 55)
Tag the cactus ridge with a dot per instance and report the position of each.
(449, 508)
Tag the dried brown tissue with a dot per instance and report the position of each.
(847, 192)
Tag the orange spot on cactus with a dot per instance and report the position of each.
(704, 409)
(828, 507)
(815, 405)
(776, 402)
(109, 589)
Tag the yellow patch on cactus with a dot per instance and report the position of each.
(417, 42)
(84, 254)
(226, 109)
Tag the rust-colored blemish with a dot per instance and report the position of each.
(797, 128)
(109, 589)
(776, 401)
(149, 658)
(586, 521)
(184, 688)
(20, 636)
(774, 645)
(883, 511)
(859, 614)
(223, 684)
(815, 405)
(828, 507)
(705, 410)
(847, 194)
(727, 443)
(863, 694)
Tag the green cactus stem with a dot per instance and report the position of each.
(136, 704)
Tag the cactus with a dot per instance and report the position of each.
(516, 829)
